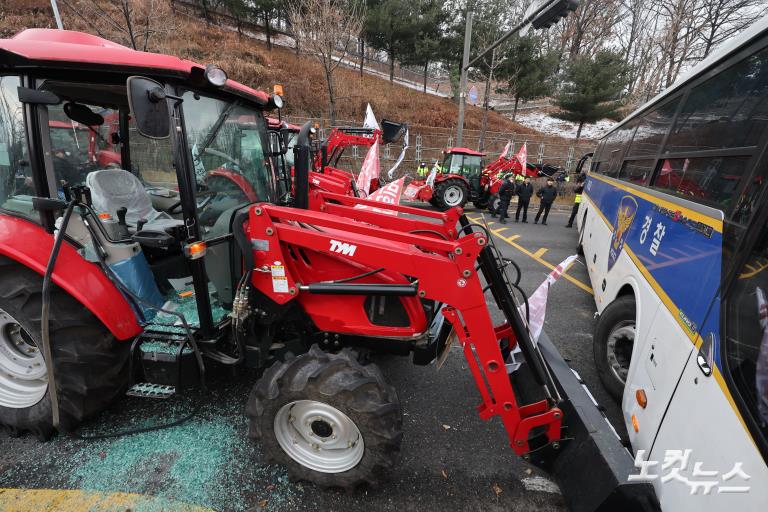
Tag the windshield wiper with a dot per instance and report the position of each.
(216, 127)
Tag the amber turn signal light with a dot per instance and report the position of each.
(635, 424)
(195, 250)
(642, 400)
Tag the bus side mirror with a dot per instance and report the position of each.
(149, 106)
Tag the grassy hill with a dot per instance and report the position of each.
(248, 61)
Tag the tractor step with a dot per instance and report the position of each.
(166, 361)
(150, 390)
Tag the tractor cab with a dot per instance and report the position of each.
(463, 162)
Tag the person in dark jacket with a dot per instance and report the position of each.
(524, 193)
(547, 195)
(506, 191)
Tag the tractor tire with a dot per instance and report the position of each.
(319, 400)
(91, 365)
(450, 193)
(612, 344)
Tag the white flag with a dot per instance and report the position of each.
(537, 302)
(432, 175)
(369, 170)
(399, 158)
(370, 119)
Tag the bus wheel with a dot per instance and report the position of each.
(613, 341)
(91, 366)
(327, 419)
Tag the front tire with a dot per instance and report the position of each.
(327, 419)
(612, 344)
(90, 365)
(451, 193)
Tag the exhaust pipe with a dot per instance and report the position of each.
(301, 154)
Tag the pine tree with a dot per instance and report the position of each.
(392, 25)
(528, 70)
(592, 87)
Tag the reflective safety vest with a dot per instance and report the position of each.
(577, 199)
(422, 171)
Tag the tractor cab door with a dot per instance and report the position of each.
(226, 141)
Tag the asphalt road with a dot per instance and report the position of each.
(450, 460)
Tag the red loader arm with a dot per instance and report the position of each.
(443, 269)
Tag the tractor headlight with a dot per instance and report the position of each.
(215, 75)
(278, 100)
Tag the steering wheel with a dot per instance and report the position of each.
(223, 155)
(204, 197)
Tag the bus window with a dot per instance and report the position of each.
(652, 128)
(727, 111)
(712, 180)
(637, 171)
(745, 333)
(614, 148)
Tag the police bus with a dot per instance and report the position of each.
(674, 230)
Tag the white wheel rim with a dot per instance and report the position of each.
(319, 436)
(23, 377)
(621, 336)
(496, 203)
(453, 195)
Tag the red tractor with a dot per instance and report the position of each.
(462, 178)
(194, 273)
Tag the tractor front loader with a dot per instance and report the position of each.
(136, 279)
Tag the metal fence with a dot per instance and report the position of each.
(427, 145)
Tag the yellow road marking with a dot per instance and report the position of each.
(511, 241)
(66, 500)
(540, 252)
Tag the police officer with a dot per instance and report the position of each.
(422, 171)
(576, 202)
(547, 195)
(506, 191)
(524, 193)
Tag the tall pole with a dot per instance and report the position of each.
(463, 81)
(56, 14)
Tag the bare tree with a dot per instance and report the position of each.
(722, 19)
(327, 29)
(682, 22)
(133, 22)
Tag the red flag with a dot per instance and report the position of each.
(369, 170)
(388, 194)
(506, 150)
(522, 157)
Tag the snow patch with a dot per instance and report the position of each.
(552, 126)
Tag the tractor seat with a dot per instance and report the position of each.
(116, 188)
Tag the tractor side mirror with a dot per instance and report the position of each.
(149, 106)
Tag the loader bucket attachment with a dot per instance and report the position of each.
(392, 131)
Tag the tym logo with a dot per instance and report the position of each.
(343, 248)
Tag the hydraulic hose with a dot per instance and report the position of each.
(45, 325)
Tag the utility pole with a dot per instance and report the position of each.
(56, 14)
(463, 81)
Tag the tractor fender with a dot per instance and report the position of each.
(29, 244)
(444, 177)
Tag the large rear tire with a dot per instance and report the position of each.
(613, 342)
(451, 192)
(91, 366)
(327, 419)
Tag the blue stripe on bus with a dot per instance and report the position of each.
(684, 261)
